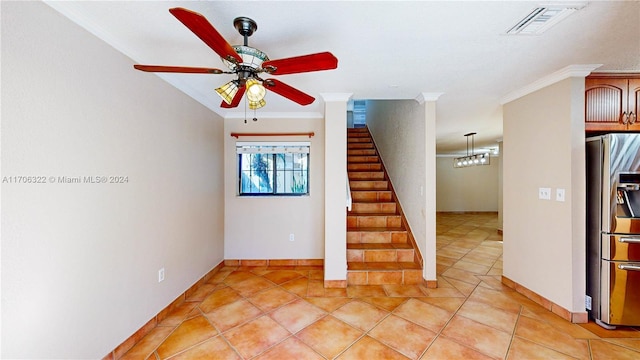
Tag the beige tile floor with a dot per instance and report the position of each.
(285, 313)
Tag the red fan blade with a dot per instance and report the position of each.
(200, 26)
(177, 69)
(300, 64)
(287, 91)
(236, 99)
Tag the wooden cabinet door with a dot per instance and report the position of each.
(633, 105)
(605, 102)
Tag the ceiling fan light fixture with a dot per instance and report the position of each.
(255, 90)
(254, 105)
(228, 91)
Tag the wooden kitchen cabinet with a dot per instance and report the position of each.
(612, 102)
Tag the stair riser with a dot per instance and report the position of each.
(356, 255)
(358, 140)
(370, 195)
(373, 208)
(366, 175)
(358, 134)
(364, 166)
(356, 152)
(359, 146)
(376, 237)
(368, 185)
(355, 221)
(363, 159)
(406, 277)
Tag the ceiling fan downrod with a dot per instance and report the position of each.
(246, 27)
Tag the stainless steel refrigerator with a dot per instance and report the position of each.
(613, 229)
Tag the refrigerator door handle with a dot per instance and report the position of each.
(629, 267)
(629, 240)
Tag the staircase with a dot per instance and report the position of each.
(380, 247)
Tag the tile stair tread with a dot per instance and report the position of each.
(379, 246)
(372, 214)
(382, 266)
(378, 186)
(376, 229)
(369, 191)
(373, 202)
(364, 212)
(361, 180)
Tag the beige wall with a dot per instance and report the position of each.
(473, 188)
(544, 246)
(259, 227)
(80, 261)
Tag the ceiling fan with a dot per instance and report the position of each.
(247, 63)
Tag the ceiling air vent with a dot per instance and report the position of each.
(542, 18)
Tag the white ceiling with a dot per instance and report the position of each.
(385, 50)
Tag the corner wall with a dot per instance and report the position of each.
(258, 227)
(80, 260)
(544, 240)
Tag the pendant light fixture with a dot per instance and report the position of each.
(471, 159)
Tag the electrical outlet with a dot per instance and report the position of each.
(161, 275)
(587, 302)
(292, 237)
(544, 193)
(559, 194)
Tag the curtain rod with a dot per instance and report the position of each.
(237, 135)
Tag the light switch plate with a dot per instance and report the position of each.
(544, 193)
(559, 194)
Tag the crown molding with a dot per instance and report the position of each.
(331, 97)
(581, 70)
(428, 96)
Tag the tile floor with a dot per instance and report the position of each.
(285, 313)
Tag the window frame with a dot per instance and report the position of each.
(273, 149)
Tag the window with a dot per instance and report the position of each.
(273, 168)
(359, 112)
